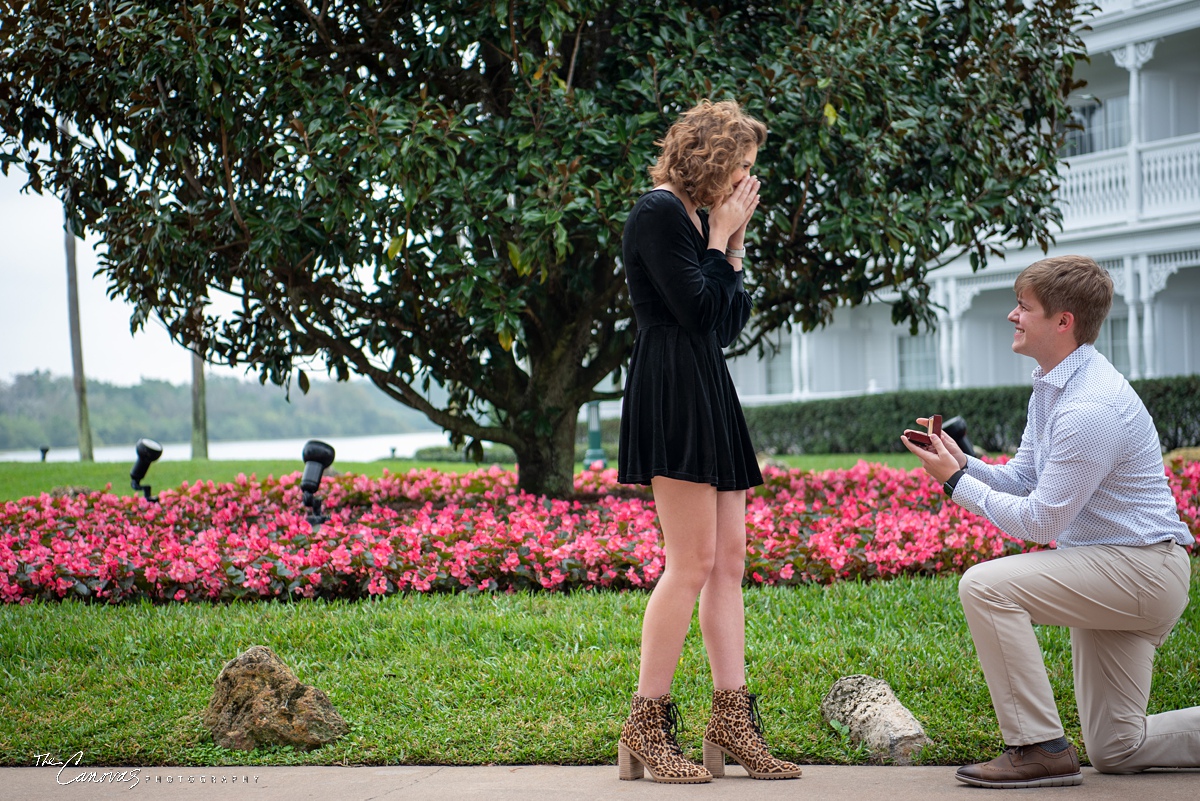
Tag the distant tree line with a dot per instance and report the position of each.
(38, 409)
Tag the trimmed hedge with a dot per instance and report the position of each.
(1174, 403)
(610, 434)
(995, 418)
(494, 454)
(502, 454)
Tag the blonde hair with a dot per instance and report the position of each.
(701, 150)
(1074, 284)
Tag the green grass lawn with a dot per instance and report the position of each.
(21, 479)
(841, 461)
(477, 679)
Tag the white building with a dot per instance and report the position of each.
(1130, 198)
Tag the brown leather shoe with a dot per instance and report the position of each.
(1025, 766)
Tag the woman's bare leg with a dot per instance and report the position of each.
(722, 610)
(687, 513)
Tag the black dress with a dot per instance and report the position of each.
(680, 417)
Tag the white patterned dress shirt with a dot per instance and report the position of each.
(1089, 470)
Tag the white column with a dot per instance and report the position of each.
(1131, 300)
(956, 364)
(941, 288)
(1151, 370)
(1189, 349)
(797, 379)
(805, 380)
(1133, 57)
(1147, 294)
(956, 333)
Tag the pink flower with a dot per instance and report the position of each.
(426, 531)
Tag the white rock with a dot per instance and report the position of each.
(869, 708)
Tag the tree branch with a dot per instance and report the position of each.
(574, 53)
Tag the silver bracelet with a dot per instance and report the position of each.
(735, 253)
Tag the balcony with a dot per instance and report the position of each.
(1143, 182)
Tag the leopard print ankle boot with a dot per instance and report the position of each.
(735, 730)
(648, 741)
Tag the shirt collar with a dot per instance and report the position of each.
(1062, 373)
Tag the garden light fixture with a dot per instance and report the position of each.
(148, 452)
(317, 457)
(956, 427)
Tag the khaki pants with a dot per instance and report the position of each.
(1120, 603)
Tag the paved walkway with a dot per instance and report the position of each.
(516, 782)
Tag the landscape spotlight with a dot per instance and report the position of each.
(317, 457)
(148, 452)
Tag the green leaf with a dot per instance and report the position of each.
(514, 258)
(394, 246)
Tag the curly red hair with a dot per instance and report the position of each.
(701, 150)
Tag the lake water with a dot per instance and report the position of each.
(347, 449)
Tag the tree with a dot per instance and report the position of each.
(434, 192)
(79, 379)
(199, 409)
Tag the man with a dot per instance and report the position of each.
(1089, 477)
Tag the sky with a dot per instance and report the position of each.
(33, 304)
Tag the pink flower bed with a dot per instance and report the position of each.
(429, 531)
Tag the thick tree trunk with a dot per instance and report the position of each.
(546, 465)
(199, 410)
(85, 426)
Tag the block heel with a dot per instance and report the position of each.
(629, 766)
(714, 760)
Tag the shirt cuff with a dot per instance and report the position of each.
(974, 464)
(970, 493)
(979, 469)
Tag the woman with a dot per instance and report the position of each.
(682, 432)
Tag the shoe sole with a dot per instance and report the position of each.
(714, 760)
(1069, 780)
(632, 766)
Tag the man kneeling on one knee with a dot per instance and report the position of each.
(1088, 476)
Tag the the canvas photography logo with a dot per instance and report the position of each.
(73, 772)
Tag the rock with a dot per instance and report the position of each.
(870, 710)
(257, 700)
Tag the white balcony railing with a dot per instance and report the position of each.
(1171, 177)
(1147, 181)
(1095, 189)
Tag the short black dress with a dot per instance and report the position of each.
(680, 417)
